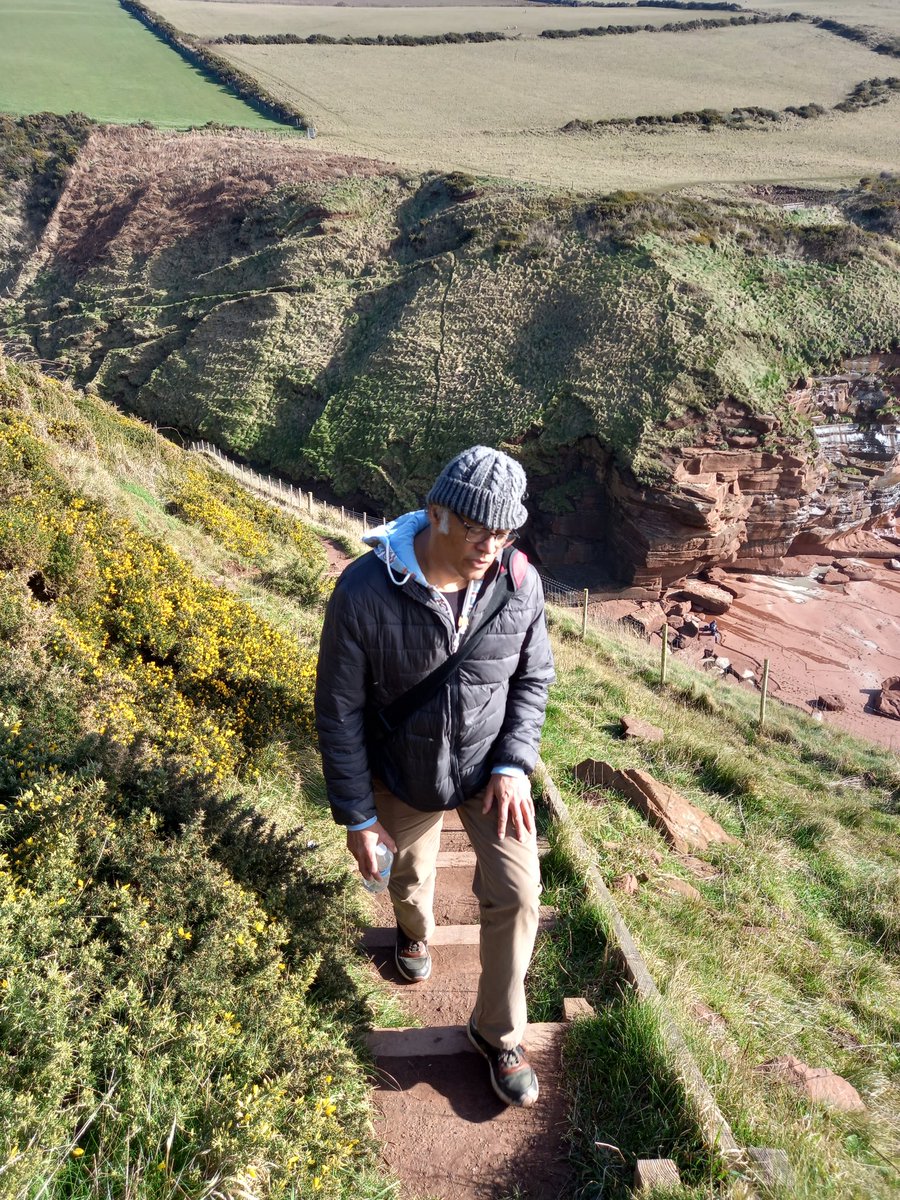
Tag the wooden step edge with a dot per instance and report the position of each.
(449, 1039)
(380, 937)
(575, 1007)
(466, 858)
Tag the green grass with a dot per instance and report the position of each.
(176, 967)
(794, 947)
(90, 56)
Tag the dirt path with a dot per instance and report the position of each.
(444, 1132)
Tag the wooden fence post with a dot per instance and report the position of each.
(310, 504)
(763, 693)
(664, 656)
(584, 615)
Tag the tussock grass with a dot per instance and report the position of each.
(793, 946)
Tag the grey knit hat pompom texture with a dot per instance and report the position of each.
(486, 486)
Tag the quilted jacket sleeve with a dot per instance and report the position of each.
(526, 704)
(340, 712)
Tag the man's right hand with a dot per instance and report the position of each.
(362, 842)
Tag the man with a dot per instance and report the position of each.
(395, 616)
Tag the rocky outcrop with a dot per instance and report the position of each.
(887, 701)
(684, 826)
(819, 1084)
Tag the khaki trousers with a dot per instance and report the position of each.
(507, 885)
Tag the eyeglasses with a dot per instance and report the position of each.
(478, 533)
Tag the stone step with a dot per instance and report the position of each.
(466, 857)
(451, 1039)
(447, 1136)
(376, 937)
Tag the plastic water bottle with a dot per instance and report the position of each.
(385, 859)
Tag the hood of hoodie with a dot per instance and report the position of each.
(393, 544)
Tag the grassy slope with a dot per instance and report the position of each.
(90, 56)
(794, 947)
(175, 906)
(795, 944)
(362, 330)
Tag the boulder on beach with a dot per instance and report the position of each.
(706, 597)
(887, 702)
(830, 702)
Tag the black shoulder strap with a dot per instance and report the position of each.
(394, 714)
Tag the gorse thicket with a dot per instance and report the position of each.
(158, 938)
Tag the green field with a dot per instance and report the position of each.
(214, 18)
(90, 56)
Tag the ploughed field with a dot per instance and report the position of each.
(90, 56)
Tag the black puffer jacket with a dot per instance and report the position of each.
(378, 641)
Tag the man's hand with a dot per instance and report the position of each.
(514, 804)
(362, 842)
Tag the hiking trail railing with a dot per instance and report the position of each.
(288, 494)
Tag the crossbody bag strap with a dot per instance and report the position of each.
(392, 716)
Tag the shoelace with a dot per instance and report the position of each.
(411, 949)
(510, 1058)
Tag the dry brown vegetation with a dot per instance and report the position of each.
(494, 108)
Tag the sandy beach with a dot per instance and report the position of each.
(842, 639)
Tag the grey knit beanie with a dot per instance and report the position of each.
(485, 485)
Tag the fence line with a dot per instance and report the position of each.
(560, 594)
(288, 494)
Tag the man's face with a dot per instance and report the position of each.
(469, 548)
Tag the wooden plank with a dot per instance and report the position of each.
(575, 1007)
(377, 937)
(650, 1173)
(448, 1039)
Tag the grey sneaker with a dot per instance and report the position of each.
(511, 1075)
(412, 958)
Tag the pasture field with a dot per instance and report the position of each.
(90, 56)
(881, 15)
(214, 18)
(400, 98)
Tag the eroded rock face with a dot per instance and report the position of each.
(747, 495)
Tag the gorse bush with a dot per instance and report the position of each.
(155, 641)
(253, 529)
(165, 952)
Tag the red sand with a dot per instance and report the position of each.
(818, 638)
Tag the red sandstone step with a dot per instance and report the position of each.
(446, 935)
(444, 1132)
(452, 1039)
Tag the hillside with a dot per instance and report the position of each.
(178, 914)
(337, 320)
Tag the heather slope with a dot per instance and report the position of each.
(333, 319)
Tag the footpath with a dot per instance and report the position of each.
(444, 1133)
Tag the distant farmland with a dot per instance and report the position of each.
(214, 18)
(428, 92)
(883, 15)
(90, 56)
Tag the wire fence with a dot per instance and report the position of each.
(560, 594)
(289, 495)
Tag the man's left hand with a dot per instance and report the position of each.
(514, 804)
